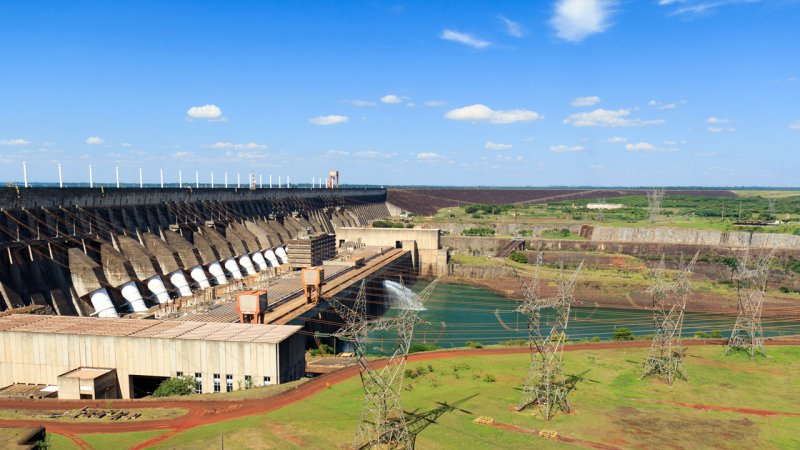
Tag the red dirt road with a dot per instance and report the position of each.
(213, 411)
(699, 407)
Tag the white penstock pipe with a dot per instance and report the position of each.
(247, 264)
(215, 269)
(156, 286)
(178, 279)
(261, 263)
(233, 268)
(102, 304)
(272, 258)
(198, 274)
(131, 293)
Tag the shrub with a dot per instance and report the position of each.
(716, 334)
(478, 232)
(489, 378)
(386, 224)
(416, 348)
(623, 334)
(175, 386)
(324, 349)
(518, 257)
(595, 339)
(515, 342)
(473, 344)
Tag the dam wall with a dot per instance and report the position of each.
(111, 251)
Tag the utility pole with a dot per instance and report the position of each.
(666, 358)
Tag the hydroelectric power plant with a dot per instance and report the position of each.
(149, 283)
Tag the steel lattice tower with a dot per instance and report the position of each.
(751, 283)
(666, 358)
(654, 198)
(383, 423)
(545, 385)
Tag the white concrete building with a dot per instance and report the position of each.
(220, 356)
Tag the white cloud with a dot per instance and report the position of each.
(183, 154)
(608, 118)
(640, 147)
(391, 98)
(616, 139)
(359, 103)
(125, 144)
(482, 113)
(94, 140)
(597, 167)
(336, 153)
(464, 38)
(795, 126)
(659, 105)
(206, 112)
(566, 148)
(14, 142)
(328, 120)
(494, 146)
(433, 103)
(372, 154)
(244, 146)
(574, 20)
(694, 7)
(721, 129)
(586, 101)
(512, 28)
(428, 155)
(717, 120)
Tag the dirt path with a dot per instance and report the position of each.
(213, 411)
(699, 407)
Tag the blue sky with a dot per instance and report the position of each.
(568, 92)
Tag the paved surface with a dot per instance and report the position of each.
(213, 411)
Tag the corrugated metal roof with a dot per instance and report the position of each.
(155, 329)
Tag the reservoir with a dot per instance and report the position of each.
(458, 314)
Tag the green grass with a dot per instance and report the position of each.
(119, 441)
(59, 442)
(606, 409)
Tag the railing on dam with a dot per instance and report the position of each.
(18, 197)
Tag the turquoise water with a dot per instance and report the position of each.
(468, 314)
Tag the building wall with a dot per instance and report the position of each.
(41, 357)
(432, 258)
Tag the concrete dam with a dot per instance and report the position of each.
(111, 251)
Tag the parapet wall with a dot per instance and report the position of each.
(681, 236)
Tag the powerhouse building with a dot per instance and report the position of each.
(112, 358)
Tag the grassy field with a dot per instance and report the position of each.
(679, 211)
(615, 408)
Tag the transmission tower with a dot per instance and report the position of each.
(654, 198)
(545, 385)
(751, 283)
(771, 208)
(383, 422)
(666, 358)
